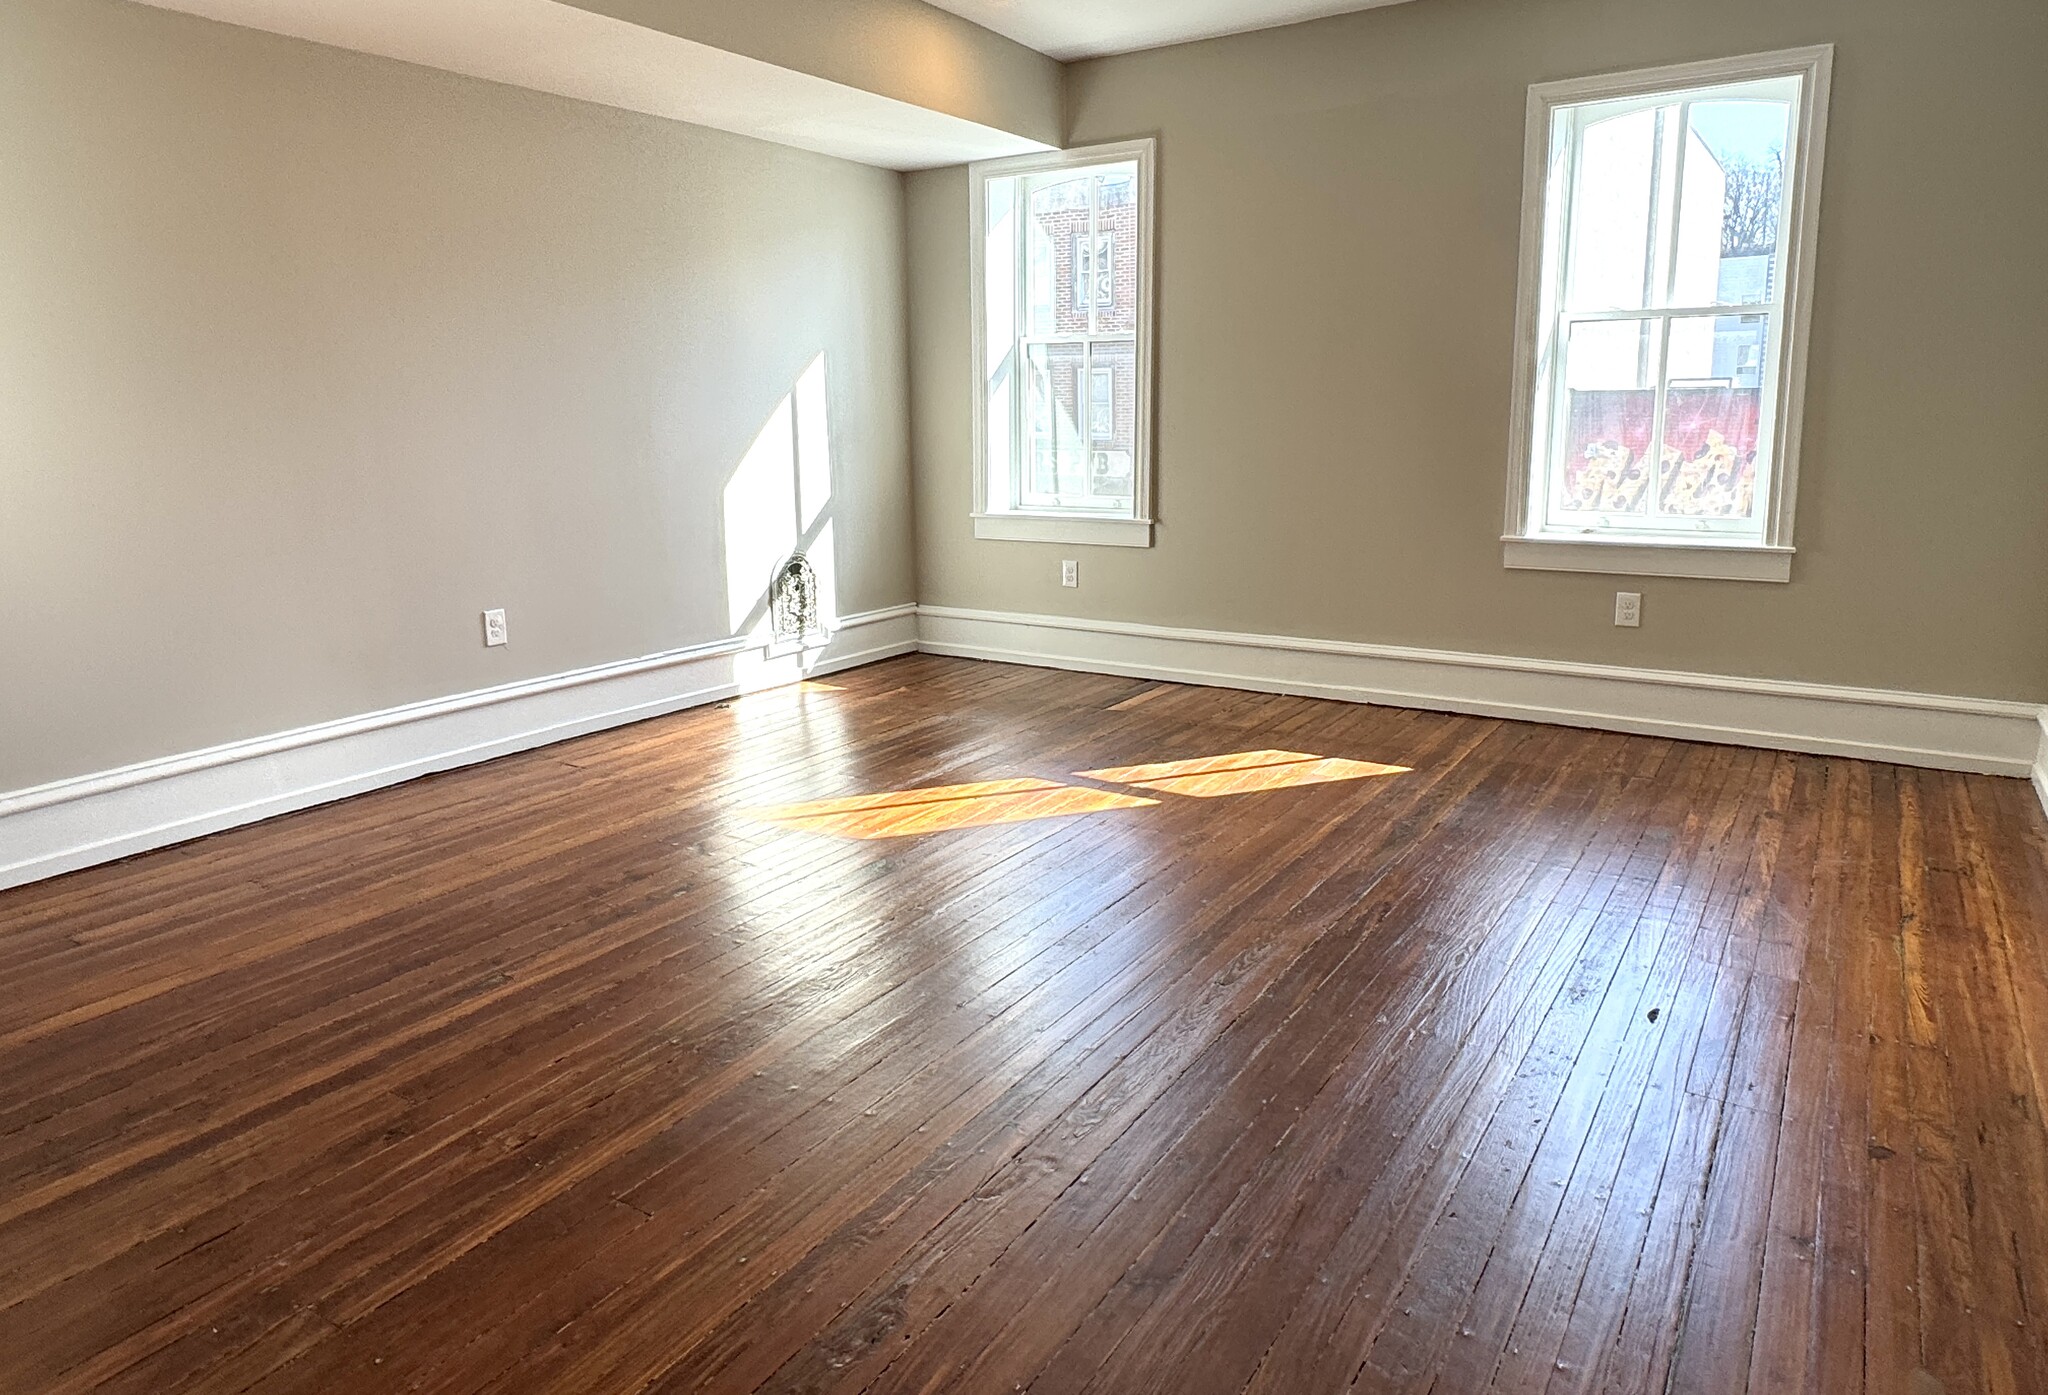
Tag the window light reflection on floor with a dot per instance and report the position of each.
(782, 694)
(901, 813)
(1246, 772)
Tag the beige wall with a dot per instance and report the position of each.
(1339, 207)
(307, 358)
(904, 49)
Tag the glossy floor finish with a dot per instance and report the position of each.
(849, 1039)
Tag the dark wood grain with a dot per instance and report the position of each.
(1401, 1052)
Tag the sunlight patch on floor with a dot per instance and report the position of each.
(902, 813)
(1245, 772)
(782, 693)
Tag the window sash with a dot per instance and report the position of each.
(1027, 442)
(1552, 517)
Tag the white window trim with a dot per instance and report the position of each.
(1063, 528)
(1747, 560)
(1019, 525)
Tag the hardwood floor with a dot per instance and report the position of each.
(1411, 1053)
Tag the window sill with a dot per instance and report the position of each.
(1064, 528)
(1710, 561)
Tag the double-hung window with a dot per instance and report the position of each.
(1062, 273)
(1668, 230)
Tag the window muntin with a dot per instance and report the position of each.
(1659, 367)
(1061, 245)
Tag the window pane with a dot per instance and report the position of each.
(1055, 231)
(1610, 409)
(1614, 198)
(1734, 203)
(1055, 451)
(1696, 260)
(1713, 412)
(1116, 272)
(1113, 423)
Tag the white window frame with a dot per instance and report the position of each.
(997, 517)
(1525, 544)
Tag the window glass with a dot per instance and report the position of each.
(1613, 208)
(1611, 384)
(1739, 201)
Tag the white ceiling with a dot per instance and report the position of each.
(574, 53)
(1070, 29)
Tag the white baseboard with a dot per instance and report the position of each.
(1945, 733)
(60, 827)
(2041, 763)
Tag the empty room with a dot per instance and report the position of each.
(851, 697)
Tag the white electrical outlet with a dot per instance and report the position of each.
(494, 628)
(1070, 573)
(1628, 609)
